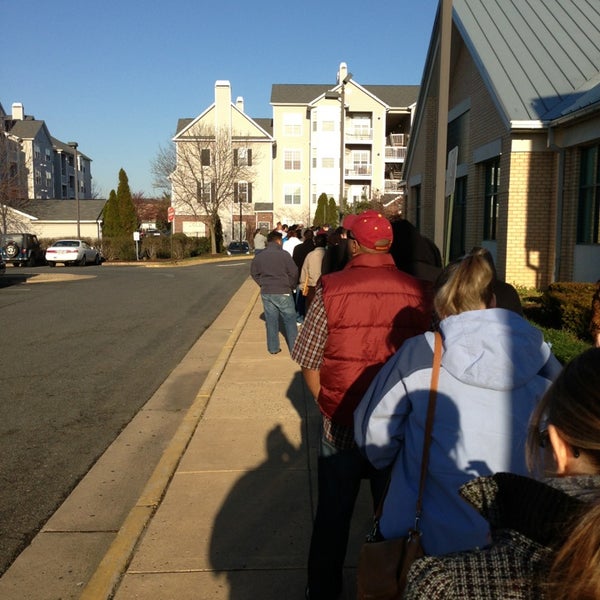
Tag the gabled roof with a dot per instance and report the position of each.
(539, 58)
(265, 124)
(395, 96)
(27, 129)
(63, 210)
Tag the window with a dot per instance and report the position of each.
(327, 162)
(291, 160)
(38, 177)
(361, 162)
(292, 124)
(490, 209)
(361, 126)
(292, 194)
(36, 151)
(204, 191)
(242, 192)
(242, 157)
(459, 219)
(588, 210)
(205, 157)
(327, 125)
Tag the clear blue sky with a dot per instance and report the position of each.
(116, 75)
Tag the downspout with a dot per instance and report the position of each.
(559, 202)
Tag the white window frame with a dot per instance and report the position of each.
(292, 194)
(292, 124)
(292, 160)
(242, 188)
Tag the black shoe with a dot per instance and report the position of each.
(277, 352)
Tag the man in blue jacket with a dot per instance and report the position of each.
(277, 275)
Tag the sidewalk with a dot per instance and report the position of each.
(227, 513)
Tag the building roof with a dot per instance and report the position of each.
(58, 145)
(266, 124)
(63, 210)
(539, 58)
(303, 93)
(26, 129)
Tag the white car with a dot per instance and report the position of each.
(72, 252)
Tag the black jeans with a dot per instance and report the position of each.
(339, 476)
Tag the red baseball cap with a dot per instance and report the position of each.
(370, 229)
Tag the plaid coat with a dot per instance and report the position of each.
(528, 518)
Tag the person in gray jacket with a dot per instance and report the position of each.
(495, 368)
(277, 275)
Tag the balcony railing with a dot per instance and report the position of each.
(359, 170)
(398, 139)
(358, 134)
(392, 185)
(395, 153)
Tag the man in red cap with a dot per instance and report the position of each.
(358, 319)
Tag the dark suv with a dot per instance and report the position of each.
(21, 249)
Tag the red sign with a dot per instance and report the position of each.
(171, 214)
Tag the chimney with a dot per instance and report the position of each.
(239, 103)
(343, 72)
(223, 105)
(18, 113)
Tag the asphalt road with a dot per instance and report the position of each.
(82, 350)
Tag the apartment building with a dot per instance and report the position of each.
(346, 140)
(42, 166)
(224, 162)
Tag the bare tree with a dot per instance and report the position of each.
(13, 185)
(162, 168)
(213, 171)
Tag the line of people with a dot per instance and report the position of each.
(366, 349)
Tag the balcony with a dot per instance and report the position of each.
(395, 153)
(358, 134)
(359, 170)
(397, 139)
(392, 185)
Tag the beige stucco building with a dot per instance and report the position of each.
(296, 154)
(224, 165)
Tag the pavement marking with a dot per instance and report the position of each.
(48, 277)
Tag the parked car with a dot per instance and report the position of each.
(2, 267)
(238, 248)
(21, 249)
(72, 252)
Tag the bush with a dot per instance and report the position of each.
(567, 306)
(118, 248)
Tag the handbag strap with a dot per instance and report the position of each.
(435, 376)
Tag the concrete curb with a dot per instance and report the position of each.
(107, 576)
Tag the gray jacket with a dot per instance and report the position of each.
(274, 270)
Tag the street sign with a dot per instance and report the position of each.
(171, 214)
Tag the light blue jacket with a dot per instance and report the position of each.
(495, 367)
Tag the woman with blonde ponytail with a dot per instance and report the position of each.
(495, 368)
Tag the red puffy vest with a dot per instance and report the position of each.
(371, 307)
